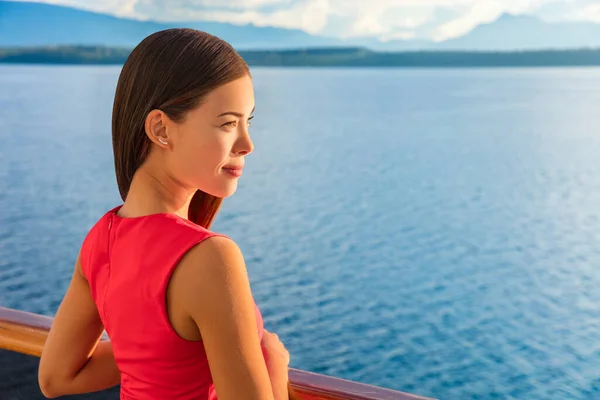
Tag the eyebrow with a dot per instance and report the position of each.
(237, 114)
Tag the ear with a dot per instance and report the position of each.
(156, 127)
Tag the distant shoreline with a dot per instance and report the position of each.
(323, 57)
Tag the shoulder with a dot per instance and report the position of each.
(216, 254)
(102, 224)
(211, 271)
(92, 239)
(212, 287)
(175, 224)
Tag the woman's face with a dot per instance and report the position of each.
(207, 149)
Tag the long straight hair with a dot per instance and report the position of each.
(170, 70)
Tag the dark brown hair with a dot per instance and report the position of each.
(170, 70)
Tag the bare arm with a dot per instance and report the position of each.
(73, 360)
(277, 358)
(211, 282)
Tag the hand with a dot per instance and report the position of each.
(275, 352)
(271, 345)
(277, 359)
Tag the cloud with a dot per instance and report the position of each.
(308, 15)
(570, 10)
(385, 19)
(588, 12)
(592, 13)
(386, 23)
(241, 4)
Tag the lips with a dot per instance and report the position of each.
(234, 170)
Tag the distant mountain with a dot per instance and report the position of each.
(513, 32)
(36, 24)
(323, 57)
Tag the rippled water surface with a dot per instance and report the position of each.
(433, 231)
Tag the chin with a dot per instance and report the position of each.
(223, 191)
(228, 194)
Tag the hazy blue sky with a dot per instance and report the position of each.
(386, 19)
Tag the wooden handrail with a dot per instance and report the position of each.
(24, 332)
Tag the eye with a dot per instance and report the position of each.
(230, 124)
(250, 120)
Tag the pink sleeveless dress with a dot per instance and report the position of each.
(128, 263)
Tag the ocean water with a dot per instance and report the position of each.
(432, 231)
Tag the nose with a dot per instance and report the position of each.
(244, 145)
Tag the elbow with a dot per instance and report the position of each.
(48, 389)
(50, 386)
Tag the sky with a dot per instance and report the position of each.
(435, 20)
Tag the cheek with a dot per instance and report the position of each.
(220, 146)
(212, 151)
(204, 153)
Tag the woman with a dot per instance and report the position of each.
(173, 296)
